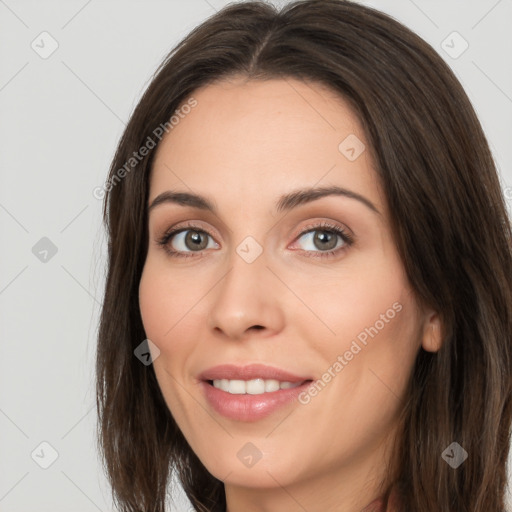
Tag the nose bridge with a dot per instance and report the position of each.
(246, 295)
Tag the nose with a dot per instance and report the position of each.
(247, 300)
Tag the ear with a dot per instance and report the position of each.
(432, 338)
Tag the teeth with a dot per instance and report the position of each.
(252, 387)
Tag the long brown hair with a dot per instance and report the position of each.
(449, 223)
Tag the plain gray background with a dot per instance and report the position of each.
(60, 120)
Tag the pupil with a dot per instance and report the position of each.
(323, 237)
(195, 238)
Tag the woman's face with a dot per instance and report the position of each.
(266, 280)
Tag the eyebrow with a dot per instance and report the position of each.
(285, 202)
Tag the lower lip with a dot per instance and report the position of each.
(250, 407)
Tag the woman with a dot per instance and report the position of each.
(309, 289)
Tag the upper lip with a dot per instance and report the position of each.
(248, 372)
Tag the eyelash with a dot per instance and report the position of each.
(324, 226)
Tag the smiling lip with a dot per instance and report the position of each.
(248, 372)
(247, 407)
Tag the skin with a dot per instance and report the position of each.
(245, 144)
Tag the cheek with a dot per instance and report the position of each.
(365, 295)
(163, 301)
(155, 305)
(172, 313)
(162, 309)
(367, 367)
(167, 325)
(370, 313)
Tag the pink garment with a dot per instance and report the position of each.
(380, 505)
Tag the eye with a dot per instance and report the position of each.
(321, 240)
(325, 240)
(185, 241)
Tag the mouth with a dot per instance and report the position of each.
(253, 400)
(258, 386)
(251, 392)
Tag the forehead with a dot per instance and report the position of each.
(262, 138)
